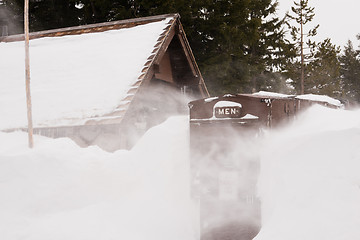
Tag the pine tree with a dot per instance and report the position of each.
(12, 16)
(246, 44)
(323, 76)
(44, 14)
(303, 14)
(272, 50)
(350, 72)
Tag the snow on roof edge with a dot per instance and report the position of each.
(272, 94)
(320, 98)
(142, 71)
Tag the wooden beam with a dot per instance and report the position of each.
(165, 43)
(191, 60)
(27, 74)
(191, 63)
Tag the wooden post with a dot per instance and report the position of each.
(302, 56)
(27, 74)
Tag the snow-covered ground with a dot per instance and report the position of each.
(309, 184)
(61, 191)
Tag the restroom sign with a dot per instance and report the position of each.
(227, 112)
(227, 109)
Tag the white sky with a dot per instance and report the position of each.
(338, 20)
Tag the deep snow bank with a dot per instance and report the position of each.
(309, 182)
(61, 191)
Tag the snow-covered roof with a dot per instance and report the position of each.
(76, 78)
(271, 94)
(320, 98)
(310, 97)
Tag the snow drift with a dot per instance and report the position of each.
(61, 191)
(309, 184)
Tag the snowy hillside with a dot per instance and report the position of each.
(309, 184)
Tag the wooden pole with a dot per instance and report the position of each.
(302, 56)
(27, 74)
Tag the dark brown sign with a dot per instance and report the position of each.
(227, 112)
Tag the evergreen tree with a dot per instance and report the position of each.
(302, 15)
(323, 76)
(44, 14)
(350, 72)
(96, 11)
(11, 16)
(247, 44)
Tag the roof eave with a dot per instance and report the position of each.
(97, 27)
